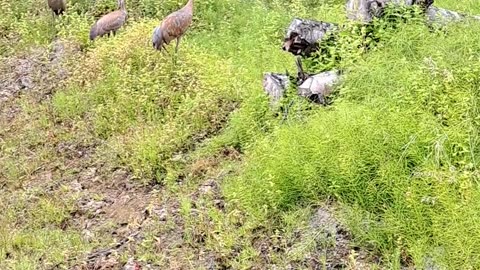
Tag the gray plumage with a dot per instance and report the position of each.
(157, 38)
(110, 23)
(57, 6)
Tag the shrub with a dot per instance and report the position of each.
(400, 146)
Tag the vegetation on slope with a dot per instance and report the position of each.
(111, 140)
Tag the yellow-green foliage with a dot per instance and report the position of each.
(400, 145)
(31, 228)
(146, 104)
(398, 150)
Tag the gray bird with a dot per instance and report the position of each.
(110, 23)
(173, 27)
(57, 6)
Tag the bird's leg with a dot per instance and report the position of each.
(165, 49)
(175, 57)
(53, 23)
(178, 42)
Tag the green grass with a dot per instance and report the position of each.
(398, 151)
(400, 145)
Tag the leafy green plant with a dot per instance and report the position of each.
(397, 151)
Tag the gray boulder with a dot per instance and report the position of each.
(303, 36)
(364, 11)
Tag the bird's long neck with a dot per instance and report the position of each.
(121, 5)
(189, 5)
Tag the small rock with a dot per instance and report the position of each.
(163, 216)
(25, 83)
(161, 213)
(205, 189)
(324, 220)
(209, 186)
(220, 204)
(105, 263)
(132, 265)
(76, 186)
(87, 235)
(177, 157)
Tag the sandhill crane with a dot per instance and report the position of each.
(57, 6)
(110, 23)
(172, 27)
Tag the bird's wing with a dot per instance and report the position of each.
(184, 20)
(57, 4)
(170, 28)
(175, 24)
(112, 21)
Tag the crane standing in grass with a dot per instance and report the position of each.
(57, 6)
(172, 27)
(110, 23)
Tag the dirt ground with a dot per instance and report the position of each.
(134, 226)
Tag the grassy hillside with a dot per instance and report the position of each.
(111, 152)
